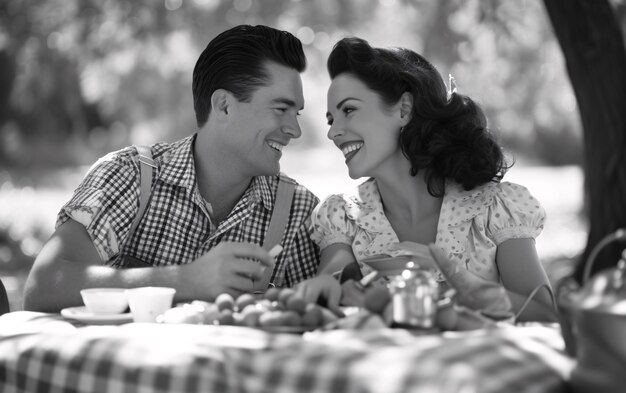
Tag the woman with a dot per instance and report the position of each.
(434, 177)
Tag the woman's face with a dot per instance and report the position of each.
(363, 127)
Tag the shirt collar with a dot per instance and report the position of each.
(261, 189)
(177, 166)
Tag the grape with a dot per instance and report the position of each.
(226, 317)
(272, 294)
(285, 294)
(225, 301)
(244, 300)
(296, 303)
(270, 318)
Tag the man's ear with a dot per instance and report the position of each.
(221, 101)
(406, 108)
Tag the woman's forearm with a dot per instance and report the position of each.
(536, 310)
(334, 258)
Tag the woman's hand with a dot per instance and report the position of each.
(352, 294)
(473, 291)
(321, 289)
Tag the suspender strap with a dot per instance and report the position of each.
(276, 229)
(147, 165)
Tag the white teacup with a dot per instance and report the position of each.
(146, 303)
(104, 301)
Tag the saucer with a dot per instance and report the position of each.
(83, 315)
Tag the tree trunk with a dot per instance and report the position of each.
(593, 46)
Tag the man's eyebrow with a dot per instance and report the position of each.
(287, 102)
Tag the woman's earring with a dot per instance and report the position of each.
(401, 129)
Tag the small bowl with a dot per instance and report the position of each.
(147, 303)
(105, 301)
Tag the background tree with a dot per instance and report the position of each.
(593, 45)
(89, 76)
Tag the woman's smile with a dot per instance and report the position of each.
(349, 149)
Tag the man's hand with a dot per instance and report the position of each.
(229, 267)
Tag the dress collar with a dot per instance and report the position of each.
(366, 207)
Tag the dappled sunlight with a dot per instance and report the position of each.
(87, 78)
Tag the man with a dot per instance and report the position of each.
(212, 197)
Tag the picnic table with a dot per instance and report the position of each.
(42, 352)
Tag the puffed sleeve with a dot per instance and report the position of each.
(330, 224)
(514, 214)
(104, 203)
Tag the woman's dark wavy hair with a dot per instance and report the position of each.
(235, 61)
(447, 135)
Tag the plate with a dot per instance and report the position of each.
(387, 265)
(287, 329)
(83, 315)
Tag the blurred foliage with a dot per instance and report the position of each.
(81, 77)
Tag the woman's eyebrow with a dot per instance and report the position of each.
(344, 100)
(341, 103)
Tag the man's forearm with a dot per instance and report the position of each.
(55, 290)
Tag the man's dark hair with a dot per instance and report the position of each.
(235, 61)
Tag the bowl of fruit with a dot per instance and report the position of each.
(279, 310)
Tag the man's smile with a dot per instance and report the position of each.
(275, 145)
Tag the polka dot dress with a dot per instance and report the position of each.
(471, 223)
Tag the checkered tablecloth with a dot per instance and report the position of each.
(45, 353)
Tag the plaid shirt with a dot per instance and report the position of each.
(176, 227)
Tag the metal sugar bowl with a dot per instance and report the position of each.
(593, 322)
(414, 296)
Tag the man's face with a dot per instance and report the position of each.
(258, 130)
